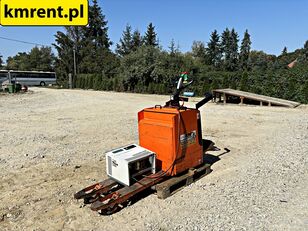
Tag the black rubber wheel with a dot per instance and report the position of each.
(111, 210)
(90, 200)
(42, 84)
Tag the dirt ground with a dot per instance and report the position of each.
(52, 144)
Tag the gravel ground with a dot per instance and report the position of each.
(52, 144)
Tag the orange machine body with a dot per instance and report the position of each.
(174, 135)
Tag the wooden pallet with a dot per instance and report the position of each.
(176, 183)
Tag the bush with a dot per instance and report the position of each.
(291, 84)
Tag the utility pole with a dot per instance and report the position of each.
(70, 81)
(75, 66)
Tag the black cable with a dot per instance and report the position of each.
(20, 41)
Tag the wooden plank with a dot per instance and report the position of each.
(256, 97)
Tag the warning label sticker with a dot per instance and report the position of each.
(188, 139)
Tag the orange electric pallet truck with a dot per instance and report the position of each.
(170, 152)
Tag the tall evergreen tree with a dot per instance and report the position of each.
(96, 54)
(97, 30)
(66, 43)
(284, 51)
(234, 50)
(124, 47)
(244, 81)
(214, 49)
(226, 47)
(229, 43)
(245, 51)
(150, 38)
(136, 40)
(283, 60)
(90, 44)
(79, 46)
(173, 49)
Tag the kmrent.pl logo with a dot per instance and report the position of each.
(43, 13)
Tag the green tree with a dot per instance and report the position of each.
(230, 49)
(137, 40)
(259, 61)
(97, 31)
(244, 81)
(215, 84)
(214, 49)
(147, 65)
(173, 49)
(233, 63)
(98, 60)
(96, 56)
(38, 59)
(283, 59)
(65, 44)
(90, 44)
(199, 51)
(150, 38)
(18, 62)
(125, 46)
(68, 43)
(284, 51)
(41, 59)
(245, 51)
(226, 47)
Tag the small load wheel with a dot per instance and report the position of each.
(90, 199)
(111, 210)
(42, 84)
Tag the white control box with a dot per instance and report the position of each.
(127, 164)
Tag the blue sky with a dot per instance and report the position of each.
(272, 24)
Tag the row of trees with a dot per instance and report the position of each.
(131, 41)
(222, 51)
(38, 59)
(139, 64)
